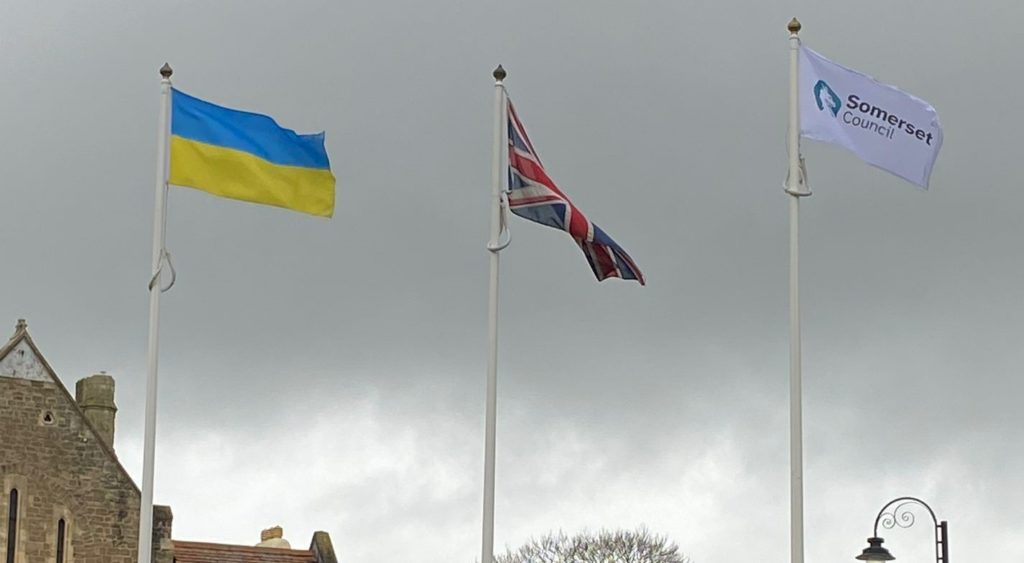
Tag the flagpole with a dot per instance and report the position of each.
(796, 187)
(494, 246)
(159, 233)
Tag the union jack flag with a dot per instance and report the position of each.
(534, 196)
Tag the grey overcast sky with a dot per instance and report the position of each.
(329, 374)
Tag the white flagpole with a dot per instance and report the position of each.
(494, 246)
(796, 187)
(159, 232)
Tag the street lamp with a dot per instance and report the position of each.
(897, 512)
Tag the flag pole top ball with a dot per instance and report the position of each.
(166, 71)
(499, 73)
(794, 26)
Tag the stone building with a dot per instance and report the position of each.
(66, 498)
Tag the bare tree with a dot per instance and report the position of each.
(620, 546)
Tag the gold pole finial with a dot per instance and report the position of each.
(794, 26)
(166, 71)
(499, 73)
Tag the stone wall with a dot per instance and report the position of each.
(62, 470)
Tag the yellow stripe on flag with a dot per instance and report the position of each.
(240, 175)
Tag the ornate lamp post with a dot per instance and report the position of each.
(897, 512)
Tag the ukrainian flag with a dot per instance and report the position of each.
(248, 156)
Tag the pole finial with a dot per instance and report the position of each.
(166, 71)
(22, 325)
(794, 26)
(499, 73)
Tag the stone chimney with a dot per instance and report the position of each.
(163, 546)
(273, 537)
(322, 548)
(95, 396)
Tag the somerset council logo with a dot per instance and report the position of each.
(825, 96)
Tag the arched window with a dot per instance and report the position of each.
(12, 525)
(60, 540)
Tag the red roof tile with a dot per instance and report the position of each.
(200, 552)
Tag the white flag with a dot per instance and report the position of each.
(884, 126)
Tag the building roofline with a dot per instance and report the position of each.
(207, 551)
(243, 548)
(21, 335)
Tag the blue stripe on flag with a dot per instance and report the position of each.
(253, 133)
